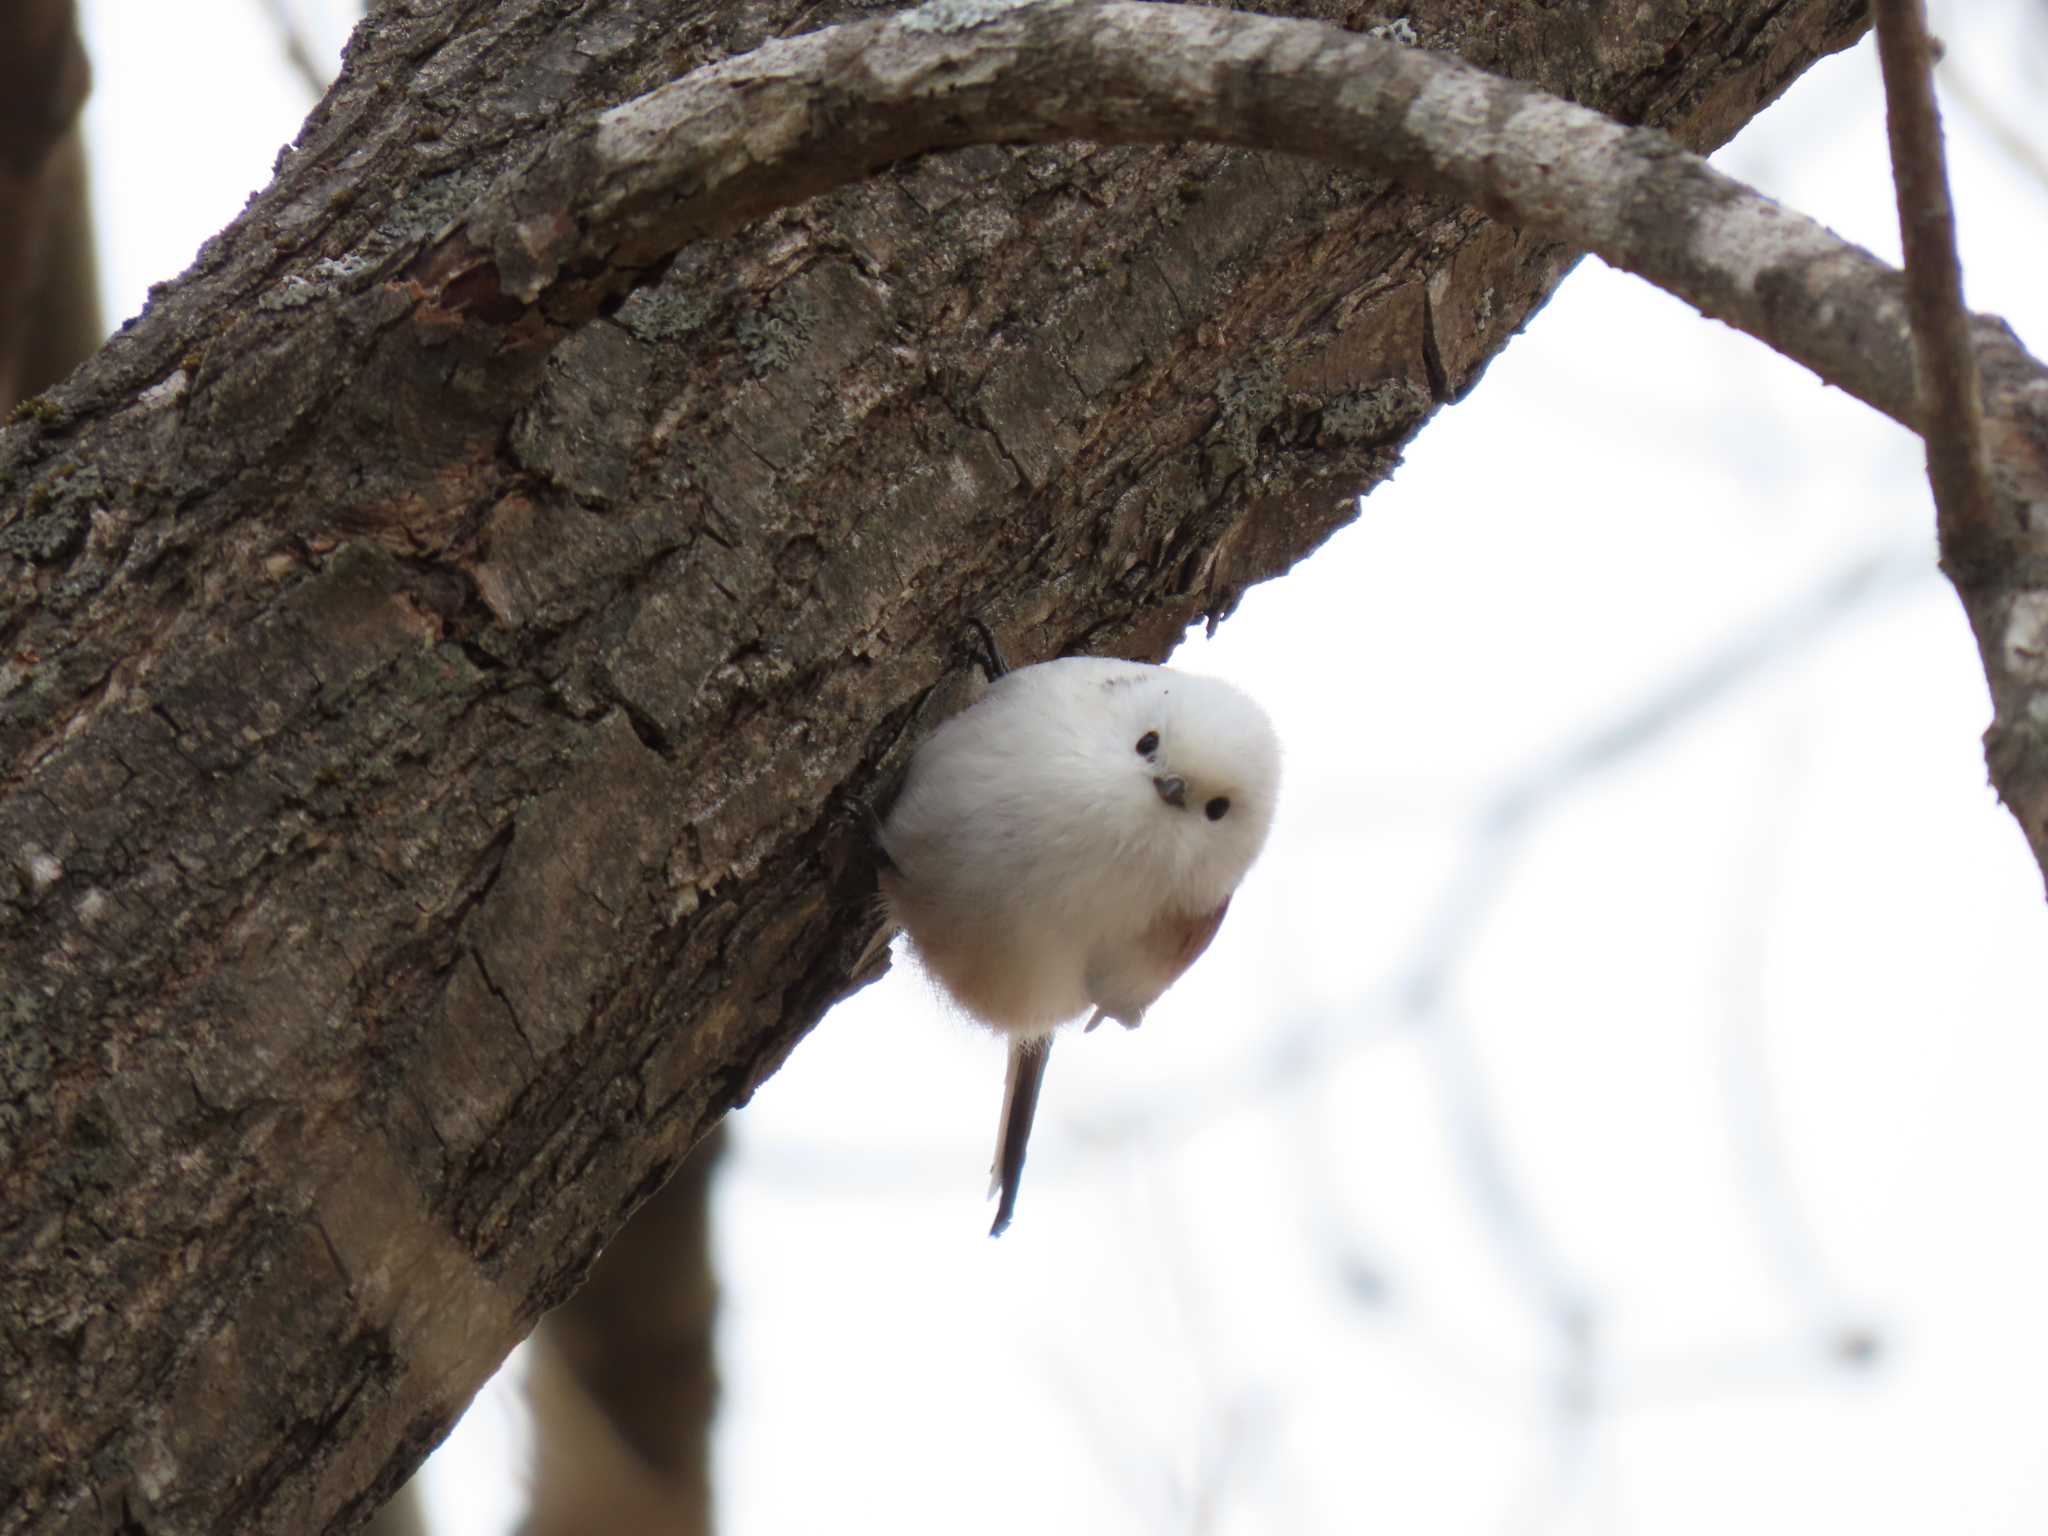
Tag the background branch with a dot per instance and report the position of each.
(1994, 122)
(298, 47)
(48, 312)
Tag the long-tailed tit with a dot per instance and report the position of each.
(1070, 843)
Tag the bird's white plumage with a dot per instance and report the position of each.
(1032, 850)
(1070, 844)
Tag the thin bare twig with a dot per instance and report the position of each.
(298, 51)
(1964, 92)
(1945, 364)
(1786, 1235)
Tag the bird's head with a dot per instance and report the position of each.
(1207, 757)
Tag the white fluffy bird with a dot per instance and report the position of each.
(1070, 843)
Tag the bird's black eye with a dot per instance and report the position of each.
(1148, 744)
(1218, 808)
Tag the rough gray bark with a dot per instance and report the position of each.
(434, 726)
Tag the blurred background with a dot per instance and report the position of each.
(1614, 1102)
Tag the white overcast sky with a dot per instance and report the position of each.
(1732, 1052)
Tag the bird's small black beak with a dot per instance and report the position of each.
(1173, 789)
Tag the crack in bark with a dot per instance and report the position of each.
(483, 969)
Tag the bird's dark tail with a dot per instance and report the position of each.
(1020, 1103)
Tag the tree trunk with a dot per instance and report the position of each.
(49, 306)
(623, 1380)
(439, 744)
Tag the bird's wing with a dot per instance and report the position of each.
(1125, 979)
(1190, 936)
(1020, 1104)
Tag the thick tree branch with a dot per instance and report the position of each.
(1945, 364)
(612, 199)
